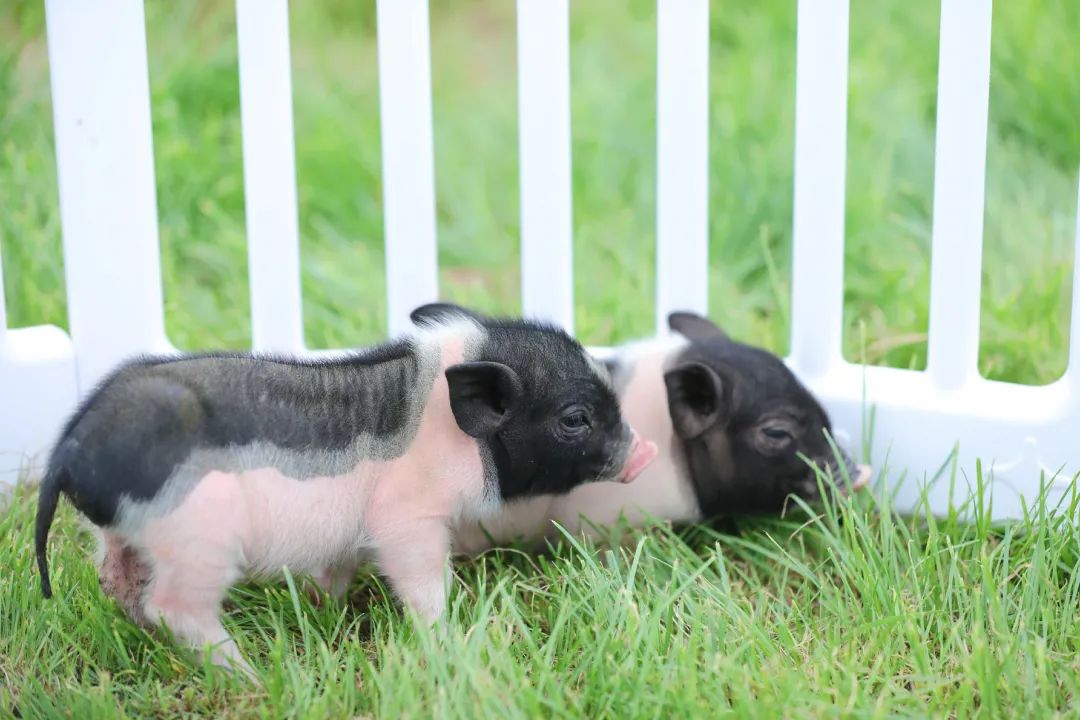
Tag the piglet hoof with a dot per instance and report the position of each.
(225, 657)
(314, 594)
(241, 668)
(434, 626)
(426, 617)
(235, 667)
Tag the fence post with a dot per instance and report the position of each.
(408, 157)
(959, 184)
(262, 29)
(547, 284)
(682, 157)
(105, 167)
(817, 273)
(1074, 318)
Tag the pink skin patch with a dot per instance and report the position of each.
(642, 452)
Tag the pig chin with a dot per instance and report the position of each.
(847, 478)
(637, 455)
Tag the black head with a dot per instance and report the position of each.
(746, 424)
(543, 409)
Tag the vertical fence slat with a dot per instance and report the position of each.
(262, 28)
(105, 167)
(959, 183)
(3, 310)
(543, 38)
(407, 157)
(1074, 318)
(820, 156)
(682, 157)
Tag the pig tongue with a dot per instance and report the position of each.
(641, 454)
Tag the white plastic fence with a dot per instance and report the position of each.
(97, 54)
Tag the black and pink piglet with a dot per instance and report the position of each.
(201, 470)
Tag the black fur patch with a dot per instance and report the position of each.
(138, 425)
(529, 454)
(730, 472)
(529, 457)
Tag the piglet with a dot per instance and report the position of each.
(201, 470)
(733, 425)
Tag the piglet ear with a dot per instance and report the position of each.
(483, 396)
(693, 326)
(611, 364)
(440, 311)
(696, 399)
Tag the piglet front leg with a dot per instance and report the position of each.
(416, 561)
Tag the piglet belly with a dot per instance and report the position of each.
(306, 525)
(212, 522)
(261, 521)
(659, 493)
(523, 520)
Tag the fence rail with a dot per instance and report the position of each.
(98, 64)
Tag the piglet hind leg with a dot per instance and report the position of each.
(124, 575)
(416, 561)
(186, 598)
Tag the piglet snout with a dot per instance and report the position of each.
(861, 477)
(642, 452)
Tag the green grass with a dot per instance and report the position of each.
(845, 612)
(871, 616)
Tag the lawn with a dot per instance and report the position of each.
(845, 610)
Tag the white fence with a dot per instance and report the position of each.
(97, 54)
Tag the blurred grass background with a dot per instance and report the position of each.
(853, 609)
(1032, 161)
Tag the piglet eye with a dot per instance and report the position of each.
(775, 433)
(575, 420)
(574, 423)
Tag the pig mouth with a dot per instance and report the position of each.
(842, 477)
(641, 453)
(856, 478)
(638, 455)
